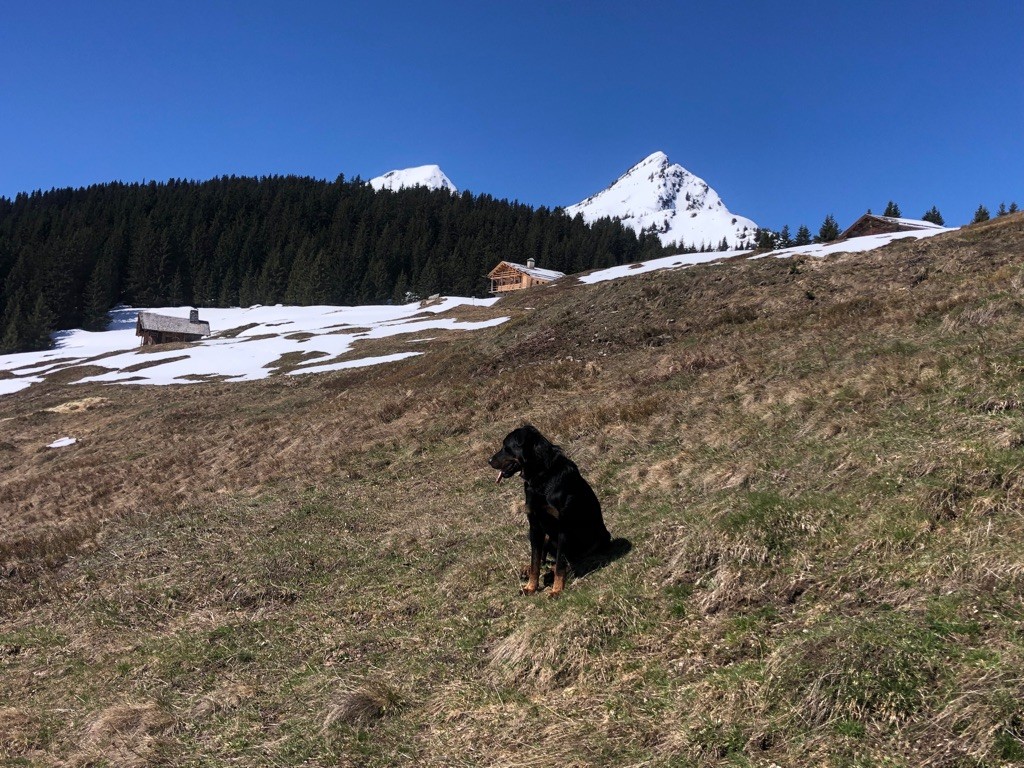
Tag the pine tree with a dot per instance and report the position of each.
(829, 230)
(1013, 207)
(142, 283)
(784, 239)
(934, 216)
(98, 298)
(401, 293)
(980, 215)
(764, 239)
(228, 295)
(429, 278)
(38, 326)
(13, 339)
(803, 236)
(892, 210)
(1002, 210)
(273, 280)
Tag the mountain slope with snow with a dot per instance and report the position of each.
(430, 176)
(663, 196)
(258, 342)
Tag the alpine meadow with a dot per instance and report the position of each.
(511, 385)
(816, 460)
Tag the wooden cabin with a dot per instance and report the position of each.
(871, 224)
(509, 276)
(163, 329)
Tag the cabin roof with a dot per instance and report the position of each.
(915, 223)
(151, 321)
(536, 272)
(904, 224)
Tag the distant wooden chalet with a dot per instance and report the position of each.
(162, 329)
(870, 224)
(509, 276)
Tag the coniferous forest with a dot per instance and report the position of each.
(67, 256)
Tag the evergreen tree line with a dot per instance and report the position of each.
(933, 215)
(982, 213)
(68, 256)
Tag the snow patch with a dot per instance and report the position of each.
(10, 386)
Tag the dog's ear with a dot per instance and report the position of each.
(537, 450)
(513, 445)
(545, 451)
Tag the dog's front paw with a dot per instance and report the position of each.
(553, 593)
(529, 589)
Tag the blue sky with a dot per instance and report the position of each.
(790, 110)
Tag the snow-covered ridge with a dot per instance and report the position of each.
(658, 195)
(430, 176)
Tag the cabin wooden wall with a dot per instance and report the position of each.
(166, 337)
(509, 279)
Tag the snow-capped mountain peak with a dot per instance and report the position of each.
(660, 196)
(430, 176)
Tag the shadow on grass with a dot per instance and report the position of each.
(616, 548)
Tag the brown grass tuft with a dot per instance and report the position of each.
(18, 734)
(226, 698)
(362, 706)
(124, 735)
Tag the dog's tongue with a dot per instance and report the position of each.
(501, 476)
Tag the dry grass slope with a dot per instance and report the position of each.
(818, 464)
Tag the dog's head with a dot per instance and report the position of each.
(523, 450)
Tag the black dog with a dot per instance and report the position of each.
(563, 510)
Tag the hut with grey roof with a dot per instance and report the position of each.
(163, 329)
(871, 224)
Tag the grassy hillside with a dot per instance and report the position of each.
(817, 463)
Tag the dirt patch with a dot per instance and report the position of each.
(77, 406)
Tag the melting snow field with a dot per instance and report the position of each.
(853, 245)
(654, 265)
(311, 337)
